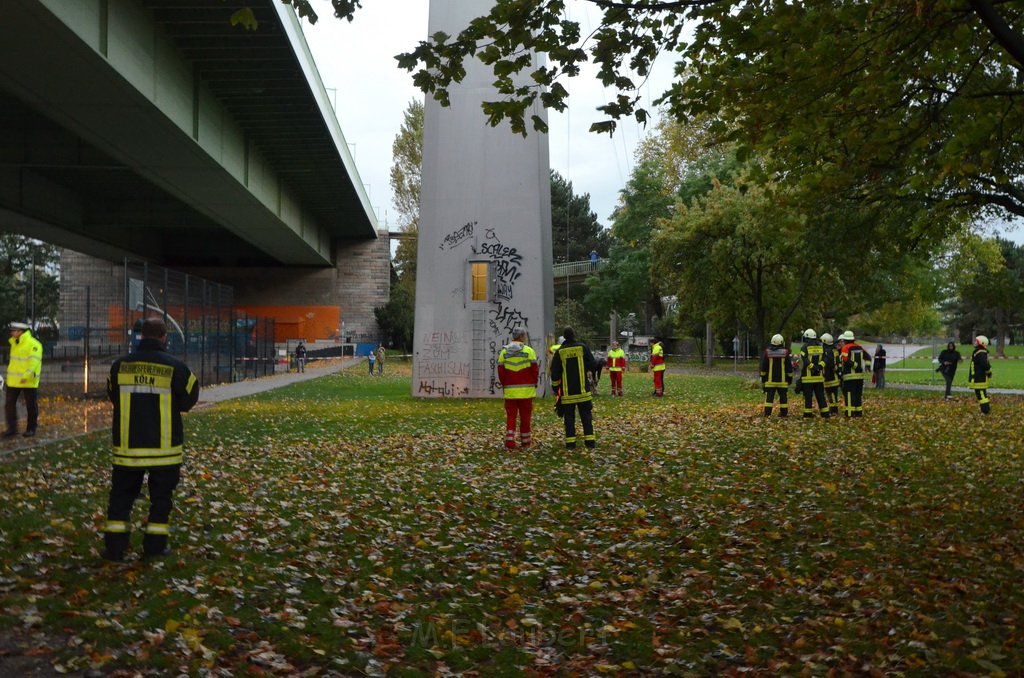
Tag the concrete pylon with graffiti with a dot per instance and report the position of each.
(484, 263)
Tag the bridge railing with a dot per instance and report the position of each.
(566, 269)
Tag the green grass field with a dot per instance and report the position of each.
(338, 526)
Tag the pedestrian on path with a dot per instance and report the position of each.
(948, 361)
(381, 354)
(23, 370)
(518, 373)
(371, 359)
(300, 356)
(878, 367)
(980, 373)
(149, 389)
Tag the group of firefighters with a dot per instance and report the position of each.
(824, 367)
(574, 372)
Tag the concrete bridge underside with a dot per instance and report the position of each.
(157, 130)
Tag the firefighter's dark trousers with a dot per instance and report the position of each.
(983, 401)
(814, 391)
(769, 398)
(125, 486)
(853, 395)
(586, 419)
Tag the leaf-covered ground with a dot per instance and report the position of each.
(339, 527)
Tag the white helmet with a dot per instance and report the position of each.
(810, 334)
(846, 336)
(981, 340)
(777, 340)
(826, 338)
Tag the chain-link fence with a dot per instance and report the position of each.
(101, 309)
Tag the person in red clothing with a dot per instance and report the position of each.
(518, 372)
(658, 367)
(616, 367)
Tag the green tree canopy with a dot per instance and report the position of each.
(29, 281)
(862, 100)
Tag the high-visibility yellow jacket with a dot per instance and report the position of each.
(26, 361)
(569, 368)
(657, 358)
(812, 362)
(616, 360)
(150, 389)
(518, 370)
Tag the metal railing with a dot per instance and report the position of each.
(567, 269)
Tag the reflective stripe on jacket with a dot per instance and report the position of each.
(657, 358)
(149, 390)
(776, 370)
(854, 361)
(812, 363)
(26, 361)
(980, 370)
(518, 370)
(569, 368)
(616, 360)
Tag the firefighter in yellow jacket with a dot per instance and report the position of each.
(23, 379)
(812, 374)
(149, 389)
(570, 365)
(518, 373)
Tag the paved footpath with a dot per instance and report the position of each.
(239, 389)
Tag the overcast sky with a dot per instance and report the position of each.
(357, 65)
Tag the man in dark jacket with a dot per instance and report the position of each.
(948, 361)
(570, 365)
(149, 389)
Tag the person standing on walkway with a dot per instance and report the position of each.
(381, 354)
(569, 368)
(776, 375)
(616, 367)
(833, 373)
(149, 389)
(658, 367)
(980, 373)
(372, 360)
(812, 374)
(300, 356)
(594, 258)
(23, 370)
(854, 365)
(878, 367)
(948, 361)
(518, 373)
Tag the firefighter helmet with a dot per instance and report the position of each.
(846, 336)
(778, 340)
(826, 338)
(981, 340)
(810, 334)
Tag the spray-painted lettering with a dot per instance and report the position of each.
(456, 238)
